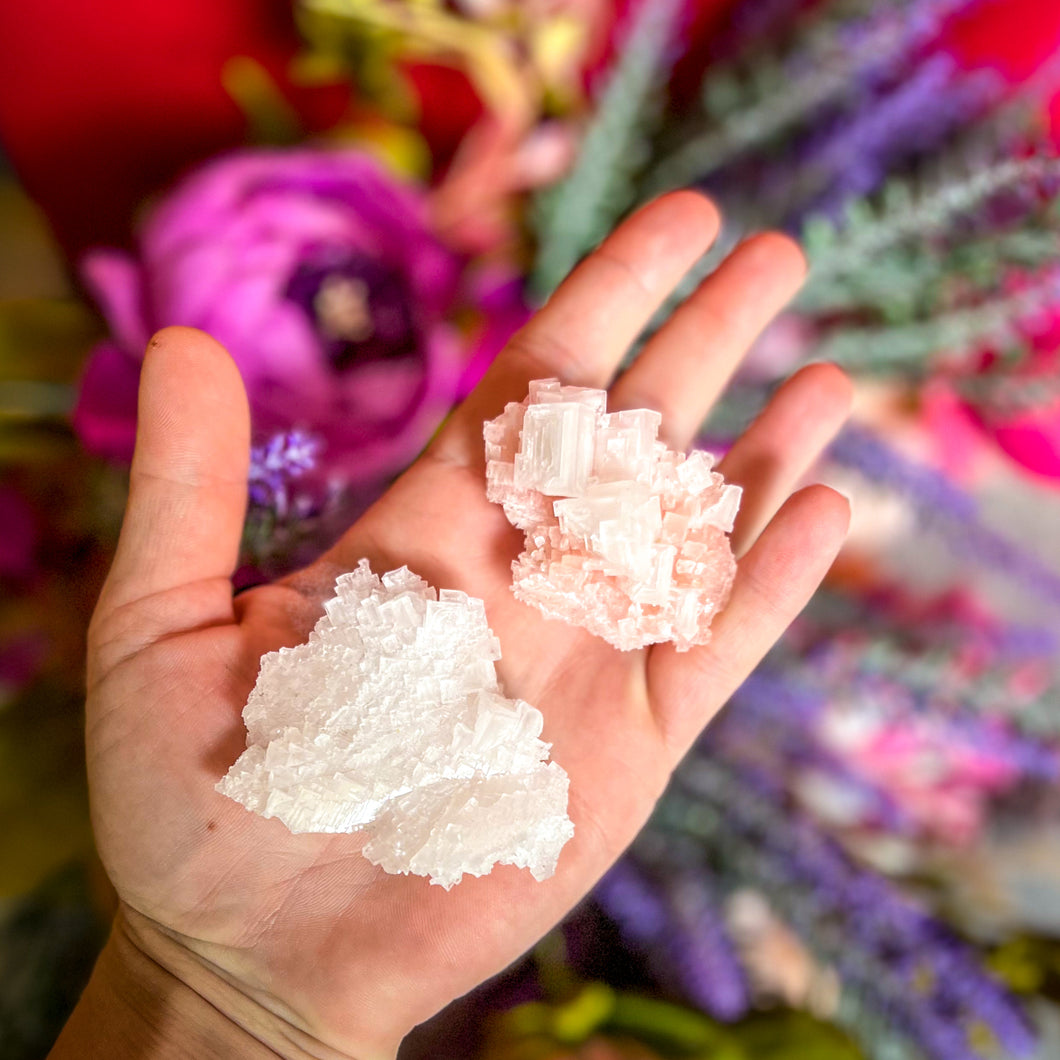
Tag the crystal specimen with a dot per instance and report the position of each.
(623, 535)
(390, 720)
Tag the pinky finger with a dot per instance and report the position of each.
(783, 443)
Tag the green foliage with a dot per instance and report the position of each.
(915, 210)
(921, 269)
(786, 1034)
(271, 120)
(907, 349)
(1003, 394)
(577, 213)
(1029, 965)
(49, 939)
(596, 1011)
(43, 343)
(742, 126)
(43, 798)
(912, 281)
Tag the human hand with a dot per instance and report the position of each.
(297, 942)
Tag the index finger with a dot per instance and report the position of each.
(584, 330)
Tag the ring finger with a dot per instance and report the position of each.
(686, 364)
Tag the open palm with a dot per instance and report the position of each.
(306, 943)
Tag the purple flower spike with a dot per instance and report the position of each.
(675, 920)
(901, 964)
(274, 464)
(946, 508)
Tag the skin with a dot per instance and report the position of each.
(235, 937)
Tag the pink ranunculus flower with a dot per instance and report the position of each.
(320, 273)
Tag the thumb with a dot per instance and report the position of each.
(187, 491)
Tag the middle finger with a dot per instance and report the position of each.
(582, 333)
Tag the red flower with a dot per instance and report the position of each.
(1014, 37)
(102, 104)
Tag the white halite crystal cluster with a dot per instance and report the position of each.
(623, 535)
(390, 719)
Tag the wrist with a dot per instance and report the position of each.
(150, 998)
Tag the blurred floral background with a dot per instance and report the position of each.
(363, 199)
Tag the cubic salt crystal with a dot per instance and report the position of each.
(390, 720)
(556, 455)
(623, 535)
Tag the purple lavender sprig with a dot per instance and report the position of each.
(900, 963)
(831, 613)
(922, 678)
(983, 681)
(943, 507)
(675, 920)
(879, 45)
(771, 721)
(275, 464)
(768, 727)
(828, 66)
(854, 154)
(702, 950)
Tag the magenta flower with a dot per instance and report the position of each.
(319, 272)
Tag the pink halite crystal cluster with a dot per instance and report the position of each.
(623, 535)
